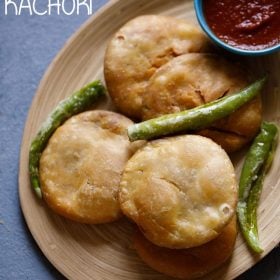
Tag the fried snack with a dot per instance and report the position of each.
(195, 79)
(180, 191)
(78, 102)
(138, 49)
(80, 168)
(188, 263)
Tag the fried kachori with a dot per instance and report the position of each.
(138, 49)
(191, 80)
(188, 263)
(181, 191)
(80, 169)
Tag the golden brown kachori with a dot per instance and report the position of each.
(188, 263)
(194, 79)
(181, 191)
(139, 48)
(81, 166)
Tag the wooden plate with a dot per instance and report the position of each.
(104, 252)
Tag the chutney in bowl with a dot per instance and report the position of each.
(247, 27)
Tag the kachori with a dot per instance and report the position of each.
(138, 49)
(194, 79)
(181, 191)
(188, 263)
(81, 166)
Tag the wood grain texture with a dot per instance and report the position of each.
(104, 251)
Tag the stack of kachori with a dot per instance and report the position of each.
(138, 49)
(180, 191)
(155, 65)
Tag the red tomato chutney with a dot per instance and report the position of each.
(245, 24)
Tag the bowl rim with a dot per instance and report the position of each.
(198, 6)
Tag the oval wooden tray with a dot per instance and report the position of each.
(104, 252)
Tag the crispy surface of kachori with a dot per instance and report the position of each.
(81, 166)
(188, 263)
(181, 191)
(139, 48)
(192, 80)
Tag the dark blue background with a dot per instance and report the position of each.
(27, 46)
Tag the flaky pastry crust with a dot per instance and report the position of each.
(188, 263)
(194, 79)
(180, 191)
(138, 49)
(80, 168)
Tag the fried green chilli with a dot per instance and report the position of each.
(76, 103)
(256, 165)
(193, 119)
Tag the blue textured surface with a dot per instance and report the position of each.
(27, 46)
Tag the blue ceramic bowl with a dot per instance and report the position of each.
(198, 5)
